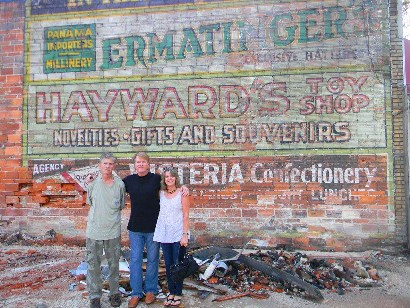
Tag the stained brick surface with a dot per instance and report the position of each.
(329, 176)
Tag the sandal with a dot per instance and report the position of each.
(169, 300)
(176, 302)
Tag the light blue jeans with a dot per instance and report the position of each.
(139, 240)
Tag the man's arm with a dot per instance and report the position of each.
(122, 197)
(89, 190)
(185, 191)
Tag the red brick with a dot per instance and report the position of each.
(249, 213)
(373, 228)
(14, 79)
(301, 242)
(18, 48)
(317, 243)
(316, 229)
(265, 212)
(11, 187)
(281, 187)
(13, 165)
(299, 213)
(199, 226)
(233, 213)
(368, 214)
(6, 71)
(383, 214)
(382, 200)
(250, 199)
(283, 213)
(39, 186)
(13, 212)
(11, 175)
(225, 204)
(367, 199)
(13, 252)
(12, 151)
(12, 199)
(284, 241)
(47, 211)
(316, 213)
(334, 213)
(40, 199)
(68, 186)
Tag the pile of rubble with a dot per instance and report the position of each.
(292, 273)
(26, 270)
(256, 273)
(22, 238)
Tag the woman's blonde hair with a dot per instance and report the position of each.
(174, 173)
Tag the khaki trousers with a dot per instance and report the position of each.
(94, 250)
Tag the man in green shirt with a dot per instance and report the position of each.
(106, 197)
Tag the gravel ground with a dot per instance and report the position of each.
(38, 277)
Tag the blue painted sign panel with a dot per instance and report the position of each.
(39, 7)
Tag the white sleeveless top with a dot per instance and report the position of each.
(170, 221)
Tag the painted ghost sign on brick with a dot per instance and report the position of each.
(224, 80)
(315, 111)
(277, 114)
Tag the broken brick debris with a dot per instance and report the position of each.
(258, 273)
(291, 272)
(253, 274)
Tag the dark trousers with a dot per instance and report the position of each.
(173, 252)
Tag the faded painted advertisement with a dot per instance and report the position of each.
(218, 80)
(268, 193)
(314, 111)
(284, 180)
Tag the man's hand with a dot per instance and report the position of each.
(89, 178)
(185, 191)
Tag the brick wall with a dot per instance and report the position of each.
(399, 137)
(13, 175)
(285, 131)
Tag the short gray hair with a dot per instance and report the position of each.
(108, 155)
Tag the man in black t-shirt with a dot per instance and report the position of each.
(143, 188)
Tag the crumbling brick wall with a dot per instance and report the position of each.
(13, 175)
(285, 130)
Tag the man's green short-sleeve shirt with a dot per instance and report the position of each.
(106, 203)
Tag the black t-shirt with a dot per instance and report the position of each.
(144, 195)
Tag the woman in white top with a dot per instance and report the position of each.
(172, 229)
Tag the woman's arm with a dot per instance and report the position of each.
(185, 213)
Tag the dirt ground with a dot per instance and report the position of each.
(39, 277)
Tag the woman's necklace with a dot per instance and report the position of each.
(172, 191)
